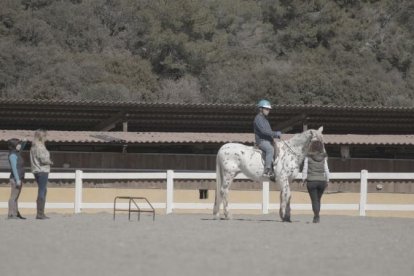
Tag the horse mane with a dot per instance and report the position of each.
(299, 138)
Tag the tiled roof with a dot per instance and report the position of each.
(354, 139)
(194, 105)
(203, 117)
(90, 137)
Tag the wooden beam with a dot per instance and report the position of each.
(289, 124)
(125, 126)
(111, 122)
(305, 127)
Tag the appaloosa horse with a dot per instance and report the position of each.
(234, 158)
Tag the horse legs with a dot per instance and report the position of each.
(217, 203)
(285, 195)
(287, 215)
(224, 192)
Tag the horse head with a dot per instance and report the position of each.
(313, 135)
(303, 140)
(316, 134)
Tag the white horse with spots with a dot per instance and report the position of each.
(234, 158)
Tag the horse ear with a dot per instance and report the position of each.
(320, 130)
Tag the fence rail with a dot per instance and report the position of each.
(78, 176)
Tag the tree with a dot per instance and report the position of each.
(228, 51)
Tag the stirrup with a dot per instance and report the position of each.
(267, 174)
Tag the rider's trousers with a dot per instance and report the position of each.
(268, 150)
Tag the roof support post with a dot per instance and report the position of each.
(289, 124)
(345, 152)
(111, 122)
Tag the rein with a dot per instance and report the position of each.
(290, 149)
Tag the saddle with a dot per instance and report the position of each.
(256, 148)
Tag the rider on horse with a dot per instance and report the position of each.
(264, 136)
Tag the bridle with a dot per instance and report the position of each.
(290, 148)
(298, 155)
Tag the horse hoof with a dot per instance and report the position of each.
(227, 217)
(216, 217)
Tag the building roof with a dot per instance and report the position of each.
(92, 137)
(212, 118)
(110, 104)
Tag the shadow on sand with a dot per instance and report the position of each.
(251, 220)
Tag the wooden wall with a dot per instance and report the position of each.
(206, 162)
(106, 161)
(135, 161)
(163, 161)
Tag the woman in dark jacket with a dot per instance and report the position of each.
(316, 175)
(16, 177)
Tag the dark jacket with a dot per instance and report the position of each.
(315, 167)
(17, 166)
(262, 129)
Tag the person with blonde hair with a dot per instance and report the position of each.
(40, 163)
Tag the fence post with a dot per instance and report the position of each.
(265, 197)
(170, 192)
(363, 193)
(78, 191)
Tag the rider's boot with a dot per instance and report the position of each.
(267, 172)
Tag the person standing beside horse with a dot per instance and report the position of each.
(316, 175)
(264, 136)
(16, 176)
(40, 161)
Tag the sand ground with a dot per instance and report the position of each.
(194, 244)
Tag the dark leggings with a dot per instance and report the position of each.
(41, 179)
(316, 189)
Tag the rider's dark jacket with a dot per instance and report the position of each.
(262, 129)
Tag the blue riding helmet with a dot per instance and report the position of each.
(264, 104)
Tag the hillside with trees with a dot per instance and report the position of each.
(343, 52)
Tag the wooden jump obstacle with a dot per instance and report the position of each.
(132, 200)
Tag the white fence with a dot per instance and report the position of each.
(78, 176)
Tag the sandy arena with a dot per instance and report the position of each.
(94, 244)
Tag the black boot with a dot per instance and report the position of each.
(41, 209)
(20, 216)
(38, 209)
(267, 172)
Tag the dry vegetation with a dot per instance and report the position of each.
(291, 51)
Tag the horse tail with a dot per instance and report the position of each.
(219, 181)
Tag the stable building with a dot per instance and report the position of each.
(113, 136)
